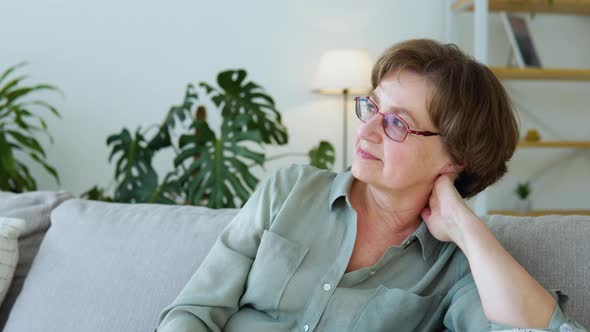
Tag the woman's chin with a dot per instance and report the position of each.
(363, 171)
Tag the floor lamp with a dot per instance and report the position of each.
(344, 72)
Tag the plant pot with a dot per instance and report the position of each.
(522, 205)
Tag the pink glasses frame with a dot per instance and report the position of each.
(408, 130)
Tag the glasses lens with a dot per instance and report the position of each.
(395, 127)
(365, 110)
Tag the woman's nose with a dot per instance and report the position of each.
(372, 129)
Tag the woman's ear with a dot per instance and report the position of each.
(452, 167)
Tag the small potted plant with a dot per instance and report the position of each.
(523, 191)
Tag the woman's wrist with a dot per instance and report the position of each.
(468, 227)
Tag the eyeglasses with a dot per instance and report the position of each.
(395, 127)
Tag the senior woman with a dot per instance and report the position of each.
(388, 245)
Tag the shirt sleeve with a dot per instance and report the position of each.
(465, 312)
(212, 294)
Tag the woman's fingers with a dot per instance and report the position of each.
(425, 214)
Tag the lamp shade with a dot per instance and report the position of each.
(344, 69)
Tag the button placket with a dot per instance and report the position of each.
(317, 304)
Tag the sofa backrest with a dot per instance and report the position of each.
(114, 267)
(556, 251)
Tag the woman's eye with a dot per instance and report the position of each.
(397, 122)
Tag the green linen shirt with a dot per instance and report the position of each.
(280, 266)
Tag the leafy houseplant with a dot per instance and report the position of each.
(19, 124)
(523, 191)
(210, 169)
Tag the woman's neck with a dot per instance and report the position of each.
(394, 215)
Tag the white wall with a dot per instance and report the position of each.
(124, 63)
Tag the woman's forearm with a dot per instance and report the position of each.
(509, 294)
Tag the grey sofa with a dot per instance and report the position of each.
(113, 267)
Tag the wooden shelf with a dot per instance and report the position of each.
(537, 213)
(542, 74)
(555, 144)
(573, 7)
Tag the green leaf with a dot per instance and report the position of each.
(322, 156)
(14, 175)
(137, 180)
(18, 115)
(4, 90)
(13, 95)
(96, 193)
(216, 174)
(10, 70)
(26, 141)
(248, 104)
(50, 169)
(176, 114)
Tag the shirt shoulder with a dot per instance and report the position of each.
(301, 178)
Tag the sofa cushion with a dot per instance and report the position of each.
(34, 208)
(113, 267)
(556, 251)
(10, 229)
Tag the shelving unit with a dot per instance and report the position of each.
(570, 7)
(555, 144)
(537, 213)
(481, 9)
(557, 74)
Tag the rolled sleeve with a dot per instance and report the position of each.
(212, 294)
(559, 322)
(465, 312)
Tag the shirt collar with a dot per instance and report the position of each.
(427, 241)
(341, 188)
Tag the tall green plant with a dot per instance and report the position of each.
(209, 169)
(20, 122)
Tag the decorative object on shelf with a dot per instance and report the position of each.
(532, 135)
(523, 48)
(344, 72)
(523, 191)
(20, 122)
(210, 169)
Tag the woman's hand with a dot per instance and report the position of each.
(445, 210)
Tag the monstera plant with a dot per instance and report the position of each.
(20, 123)
(209, 169)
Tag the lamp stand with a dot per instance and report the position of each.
(345, 130)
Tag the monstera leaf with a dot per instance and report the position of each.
(322, 156)
(137, 179)
(219, 177)
(176, 114)
(239, 97)
(19, 124)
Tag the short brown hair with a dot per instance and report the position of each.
(468, 104)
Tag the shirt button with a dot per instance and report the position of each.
(372, 273)
(306, 328)
(565, 327)
(327, 287)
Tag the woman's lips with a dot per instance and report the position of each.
(364, 154)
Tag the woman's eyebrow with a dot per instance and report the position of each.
(396, 109)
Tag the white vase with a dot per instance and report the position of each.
(522, 205)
